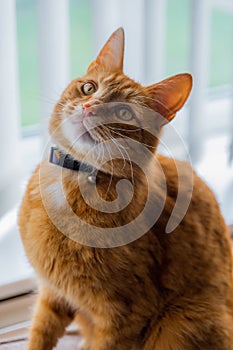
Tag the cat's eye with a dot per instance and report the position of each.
(124, 113)
(89, 88)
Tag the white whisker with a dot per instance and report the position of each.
(124, 136)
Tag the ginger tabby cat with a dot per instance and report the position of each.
(157, 291)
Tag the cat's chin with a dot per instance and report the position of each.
(86, 141)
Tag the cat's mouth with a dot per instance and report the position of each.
(82, 132)
(81, 125)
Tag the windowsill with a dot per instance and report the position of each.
(15, 270)
(15, 333)
(16, 274)
(17, 288)
(15, 311)
(15, 337)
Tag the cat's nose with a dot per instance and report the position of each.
(87, 104)
(88, 112)
(89, 108)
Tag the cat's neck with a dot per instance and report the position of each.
(127, 170)
(66, 160)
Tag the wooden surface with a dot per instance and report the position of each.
(16, 338)
(69, 342)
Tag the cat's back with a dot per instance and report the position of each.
(199, 247)
(183, 183)
(193, 204)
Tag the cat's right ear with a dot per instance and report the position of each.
(168, 96)
(111, 56)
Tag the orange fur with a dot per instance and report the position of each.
(159, 292)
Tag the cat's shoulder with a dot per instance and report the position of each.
(181, 175)
(170, 165)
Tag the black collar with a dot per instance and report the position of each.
(67, 161)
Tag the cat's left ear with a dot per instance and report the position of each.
(111, 56)
(168, 96)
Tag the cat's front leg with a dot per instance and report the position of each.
(87, 329)
(51, 317)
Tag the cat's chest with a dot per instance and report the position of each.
(60, 188)
(82, 278)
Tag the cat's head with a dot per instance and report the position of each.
(102, 108)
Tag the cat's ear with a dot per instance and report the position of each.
(168, 96)
(112, 54)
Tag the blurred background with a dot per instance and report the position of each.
(46, 43)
